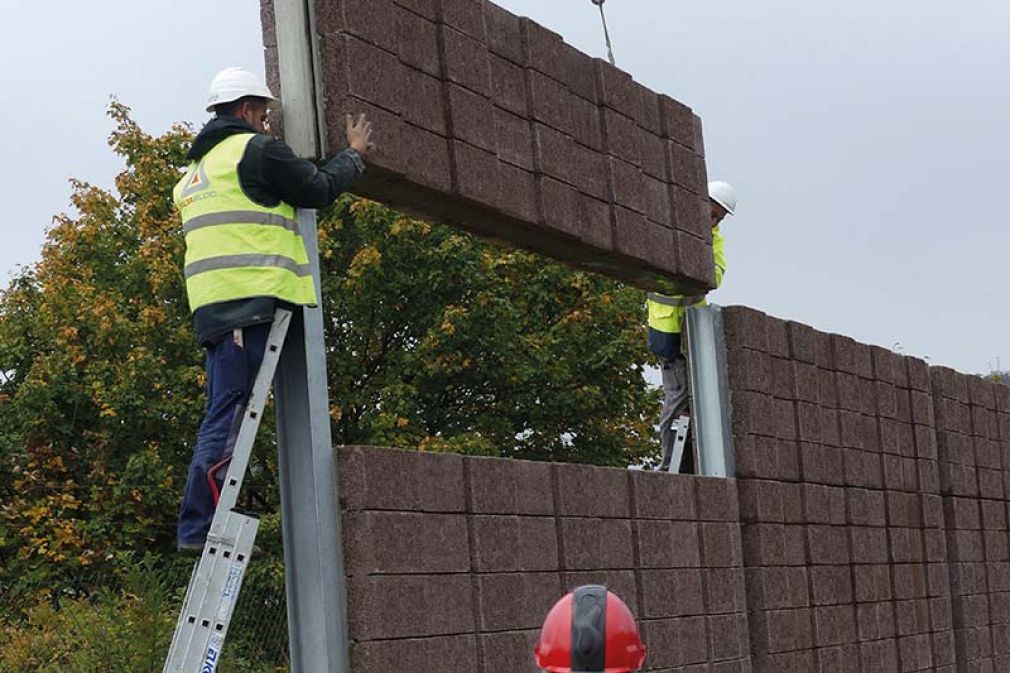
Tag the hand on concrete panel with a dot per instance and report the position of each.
(359, 134)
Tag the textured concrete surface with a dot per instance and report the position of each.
(432, 579)
(491, 122)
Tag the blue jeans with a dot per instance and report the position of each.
(231, 373)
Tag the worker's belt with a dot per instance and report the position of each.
(240, 217)
(680, 302)
(241, 261)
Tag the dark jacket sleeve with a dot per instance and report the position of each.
(271, 172)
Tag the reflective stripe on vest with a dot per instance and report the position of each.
(237, 248)
(683, 302)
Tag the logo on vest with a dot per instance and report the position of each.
(196, 181)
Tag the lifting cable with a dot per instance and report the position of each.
(606, 33)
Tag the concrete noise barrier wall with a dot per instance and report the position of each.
(866, 531)
(493, 123)
(453, 562)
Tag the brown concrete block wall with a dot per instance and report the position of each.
(973, 440)
(844, 537)
(493, 123)
(459, 559)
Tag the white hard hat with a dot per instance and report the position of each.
(233, 83)
(723, 194)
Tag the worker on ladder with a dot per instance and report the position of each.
(245, 257)
(666, 321)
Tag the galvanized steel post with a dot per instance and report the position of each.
(313, 558)
(710, 392)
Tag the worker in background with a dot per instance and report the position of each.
(244, 257)
(666, 321)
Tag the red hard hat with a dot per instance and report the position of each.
(590, 631)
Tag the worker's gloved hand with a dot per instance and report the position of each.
(359, 134)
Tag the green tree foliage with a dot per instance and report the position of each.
(437, 341)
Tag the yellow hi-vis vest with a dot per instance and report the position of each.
(666, 313)
(235, 247)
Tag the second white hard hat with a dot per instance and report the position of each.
(723, 194)
(233, 83)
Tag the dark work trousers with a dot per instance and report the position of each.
(676, 399)
(232, 365)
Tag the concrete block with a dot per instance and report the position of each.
(409, 606)
(618, 91)
(686, 168)
(777, 631)
(389, 479)
(546, 51)
(508, 86)
(833, 625)
(667, 544)
(514, 139)
(550, 102)
(597, 544)
(405, 542)
(830, 585)
(994, 514)
(444, 654)
(468, 118)
(422, 101)
(828, 545)
(517, 193)
(676, 642)
(824, 504)
(597, 222)
(514, 543)
(626, 184)
(552, 152)
(504, 34)
(589, 172)
(506, 650)
(588, 491)
(417, 42)
(587, 128)
(672, 593)
(677, 121)
(656, 200)
(466, 16)
(367, 20)
(513, 601)
(428, 165)
(949, 384)
(869, 544)
(653, 149)
(663, 496)
(426, 8)
(476, 173)
(581, 78)
(692, 213)
(465, 61)
(745, 328)
(721, 545)
(695, 257)
(499, 486)
(821, 464)
(761, 500)
(717, 499)
(724, 590)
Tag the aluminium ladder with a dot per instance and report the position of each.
(217, 578)
(680, 441)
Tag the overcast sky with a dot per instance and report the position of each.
(869, 140)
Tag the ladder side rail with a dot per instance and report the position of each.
(253, 415)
